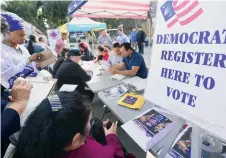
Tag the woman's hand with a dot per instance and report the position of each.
(38, 57)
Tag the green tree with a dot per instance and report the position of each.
(41, 14)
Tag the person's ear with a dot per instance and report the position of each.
(76, 142)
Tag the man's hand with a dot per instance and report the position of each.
(20, 95)
(113, 71)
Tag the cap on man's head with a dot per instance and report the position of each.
(74, 52)
(139, 26)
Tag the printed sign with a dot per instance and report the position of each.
(53, 36)
(188, 68)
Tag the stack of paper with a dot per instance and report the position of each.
(138, 83)
(114, 92)
(132, 101)
(148, 128)
(118, 77)
(68, 87)
(104, 65)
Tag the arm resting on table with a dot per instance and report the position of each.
(132, 72)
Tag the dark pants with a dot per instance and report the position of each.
(85, 92)
(141, 48)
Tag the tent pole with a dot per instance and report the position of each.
(68, 41)
(148, 26)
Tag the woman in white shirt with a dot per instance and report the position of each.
(14, 56)
(115, 56)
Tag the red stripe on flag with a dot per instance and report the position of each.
(180, 6)
(172, 23)
(191, 18)
(111, 8)
(124, 3)
(189, 9)
(109, 16)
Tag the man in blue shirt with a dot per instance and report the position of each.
(133, 37)
(132, 64)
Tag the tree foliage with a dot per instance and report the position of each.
(41, 14)
(52, 14)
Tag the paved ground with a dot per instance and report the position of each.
(127, 142)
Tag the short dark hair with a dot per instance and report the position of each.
(120, 29)
(126, 45)
(116, 45)
(65, 50)
(41, 38)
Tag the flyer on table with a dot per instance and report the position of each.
(188, 68)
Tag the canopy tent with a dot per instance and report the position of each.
(129, 9)
(82, 24)
(63, 28)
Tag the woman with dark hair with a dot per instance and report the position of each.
(33, 46)
(86, 54)
(59, 128)
(103, 53)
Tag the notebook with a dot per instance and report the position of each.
(148, 128)
(132, 101)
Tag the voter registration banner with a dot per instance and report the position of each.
(187, 74)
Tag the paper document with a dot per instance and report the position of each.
(148, 128)
(68, 87)
(114, 92)
(137, 82)
(104, 65)
(118, 77)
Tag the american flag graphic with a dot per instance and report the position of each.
(182, 11)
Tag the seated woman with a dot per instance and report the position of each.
(14, 56)
(59, 128)
(103, 53)
(33, 46)
(115, 56)
(86, 54)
